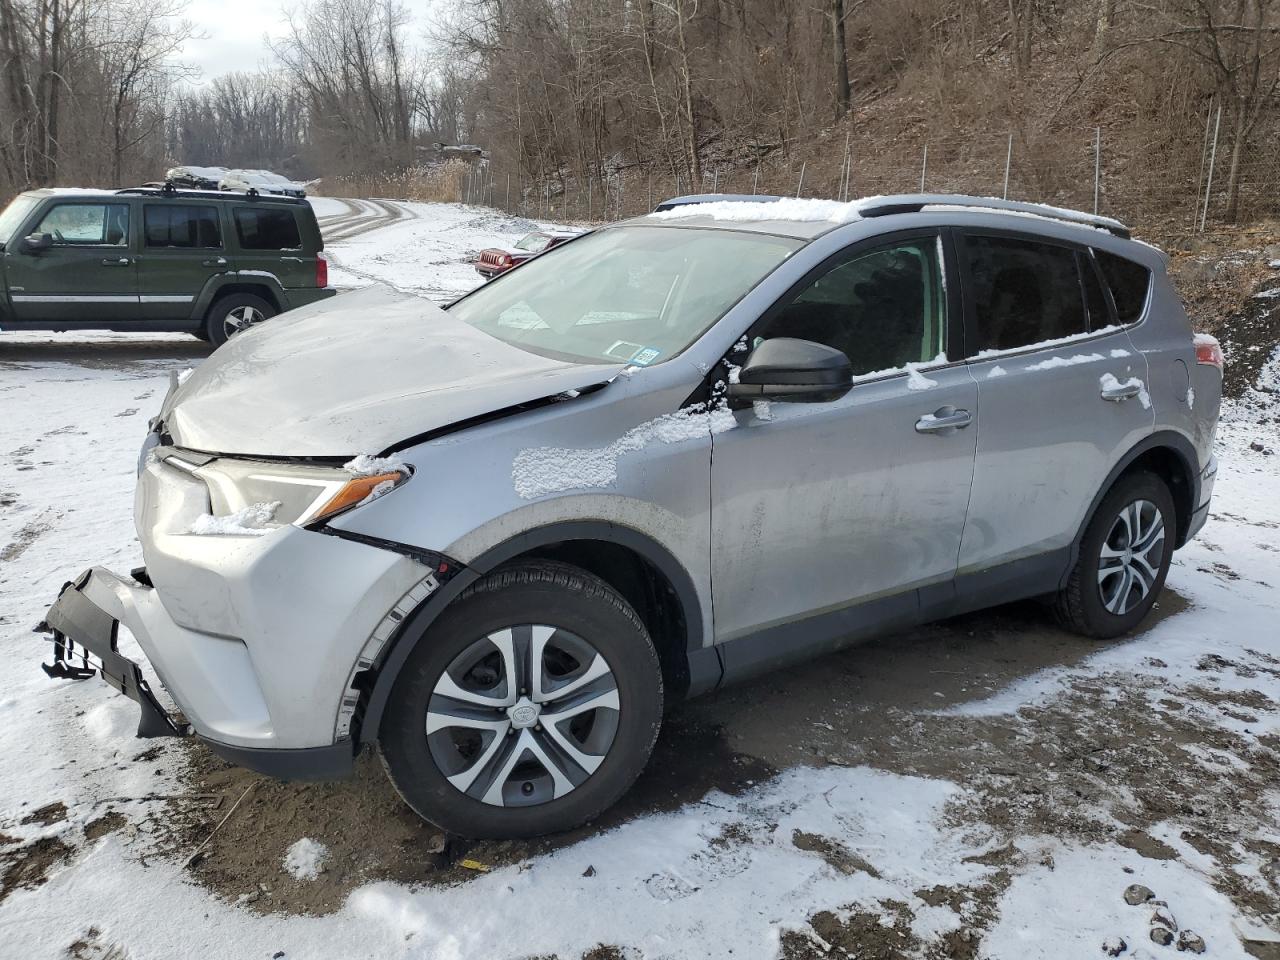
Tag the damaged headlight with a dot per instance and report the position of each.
(300, 494)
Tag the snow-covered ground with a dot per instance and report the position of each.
(427, 251)
(1150, 761)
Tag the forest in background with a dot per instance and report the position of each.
(590, 108)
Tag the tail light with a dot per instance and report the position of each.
(322, 271)
(1208, 350)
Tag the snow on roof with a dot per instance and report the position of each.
(792, 209)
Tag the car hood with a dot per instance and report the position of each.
(359, 373)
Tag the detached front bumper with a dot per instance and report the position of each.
(75, 619)
(85, 622)
(260, 641)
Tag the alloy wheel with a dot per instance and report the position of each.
(240, 319)
(1131, 557)
(523, 716)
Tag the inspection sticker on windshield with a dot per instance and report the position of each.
(644, 356)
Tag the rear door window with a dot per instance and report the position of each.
(1023, 292)
(1129, 283)
(266, 229)
(87, 224)
(171, 225)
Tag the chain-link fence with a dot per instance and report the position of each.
(1169, 188)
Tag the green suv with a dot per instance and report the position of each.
(209, 264)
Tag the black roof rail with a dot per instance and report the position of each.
(915, 202)
(168, 190)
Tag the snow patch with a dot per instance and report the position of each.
(1055, 362)
(996, 371)
(252, 521)
(538, 471)
(1119, 354)
(185, 375)
(794, 209)
(1044, 344)
(305, 859)
(366, 465)
(1108, 381)
(917, 380)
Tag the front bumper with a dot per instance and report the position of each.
(87, 616)
(257, 639)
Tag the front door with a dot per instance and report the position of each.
(89, 272)
(827, 508)
(182, 247)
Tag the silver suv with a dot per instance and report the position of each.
(497, 540)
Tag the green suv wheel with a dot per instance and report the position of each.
(235, 313)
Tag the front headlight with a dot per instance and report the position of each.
(306, 494)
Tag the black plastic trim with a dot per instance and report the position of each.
(419, 622)
(334, 762)
(1166, 439)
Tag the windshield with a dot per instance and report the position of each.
(13, 216)
(533, 242)
(629, 294)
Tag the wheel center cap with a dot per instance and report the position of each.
(523, 713)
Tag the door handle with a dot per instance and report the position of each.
(220, 262)
(1121, 391)
(116, 262)
(944, 418)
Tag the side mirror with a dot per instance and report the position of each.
(36, 242)
(787, 369)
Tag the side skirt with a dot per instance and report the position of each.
(782, 645)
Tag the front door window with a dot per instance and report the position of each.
(883, 308)
(87, 225)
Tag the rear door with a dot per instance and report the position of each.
(182, 247)
(271, 241)
(820, 507)
(88, 274)
(1061, 395)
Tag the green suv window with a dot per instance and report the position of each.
(267, 230)
(172, 225)
(87, 224)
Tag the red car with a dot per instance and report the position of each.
(495, 260)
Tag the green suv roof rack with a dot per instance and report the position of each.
(252, 196)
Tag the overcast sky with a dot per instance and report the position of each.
(234, 33)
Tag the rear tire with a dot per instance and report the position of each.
(233, 314)
(1124, 559)
(469, 738)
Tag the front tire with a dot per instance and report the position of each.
(235, 313)
(1124, 559)
(530, 706)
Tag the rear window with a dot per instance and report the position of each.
(1023, 292)
(179, 226)
(1129, 283)
(263, 229)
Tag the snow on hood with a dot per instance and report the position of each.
(361, 372)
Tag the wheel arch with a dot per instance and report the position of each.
(265, 287)
(646, 573)
(1170, 456)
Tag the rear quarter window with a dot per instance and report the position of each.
(1129, 283)
(267, 229)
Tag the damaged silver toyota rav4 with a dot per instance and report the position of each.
(495, 540)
